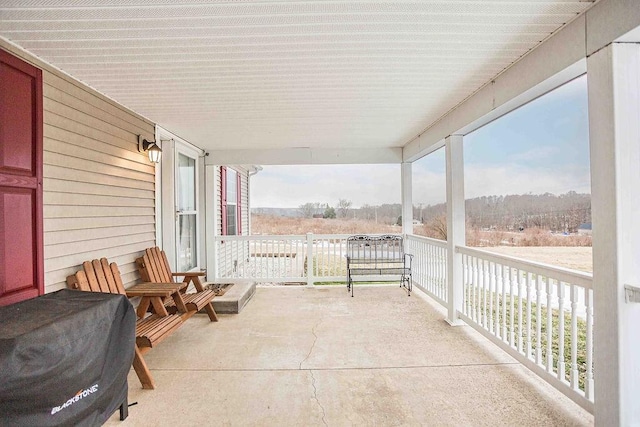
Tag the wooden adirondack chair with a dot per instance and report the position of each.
(100, 276)
(154, 267)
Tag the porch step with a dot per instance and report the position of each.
(235, 298)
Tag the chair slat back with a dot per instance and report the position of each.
(97, 276)
(115, 273)
(100, 276)
(94, 283)
(165, 262)
(161, 264)
(154, 266)
(108, 274)
(78, 281)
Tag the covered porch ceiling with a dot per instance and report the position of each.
(268, 75)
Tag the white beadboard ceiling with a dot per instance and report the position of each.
(277, 74)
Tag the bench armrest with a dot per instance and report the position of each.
(152, 289)
(410, 257)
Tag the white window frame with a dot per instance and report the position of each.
(166, 202)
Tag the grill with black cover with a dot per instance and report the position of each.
(64, 358)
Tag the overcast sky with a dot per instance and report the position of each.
(541, 147)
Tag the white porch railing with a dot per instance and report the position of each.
(542, 315)
(327, 257)
(303, 258)
(267, 258)
(429, 267)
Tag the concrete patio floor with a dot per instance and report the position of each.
(300, 356)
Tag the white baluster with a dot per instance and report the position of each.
(506, 272)
(519, 287)
(476, 280)
(528, 315)
(549, 326)
(589, 375)
(496, 297)
(538, 319)
(574, 296)
(561, 362)
(512, 311)
(473, 289)
(467, 281)
(483, 281)
(491, 270)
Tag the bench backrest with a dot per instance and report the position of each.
(97, 276)
(153, 266)
(369, 249)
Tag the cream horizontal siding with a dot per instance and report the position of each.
(99, 192)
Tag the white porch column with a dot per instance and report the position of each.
(407, 198)
(211, 226)
(614, 127)
(455, 225)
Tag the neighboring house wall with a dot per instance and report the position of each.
(99, 192)
(244, 174)
(230, 255)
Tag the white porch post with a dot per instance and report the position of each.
(455, 225)
(614, 116)
(407, 199)
(211, 226)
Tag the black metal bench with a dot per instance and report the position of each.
(378, 256)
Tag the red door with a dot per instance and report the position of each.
(21, 245)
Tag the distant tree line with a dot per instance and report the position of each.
(383, 214)
(558, 213)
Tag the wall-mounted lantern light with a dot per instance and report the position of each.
(151, 148)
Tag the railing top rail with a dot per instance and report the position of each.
(260, 237)
(293, 236)
(331, 236)
(558, 273)
(429, 240)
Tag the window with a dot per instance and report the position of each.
(186, 213)
(231, 203)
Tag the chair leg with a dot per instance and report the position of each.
(124, 409)
(140, 366)
(406, 282)
(211, 312)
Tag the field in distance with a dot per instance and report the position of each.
(573, 257)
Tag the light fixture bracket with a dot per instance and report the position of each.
(143, 144)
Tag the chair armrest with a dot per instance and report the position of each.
(190, 273)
